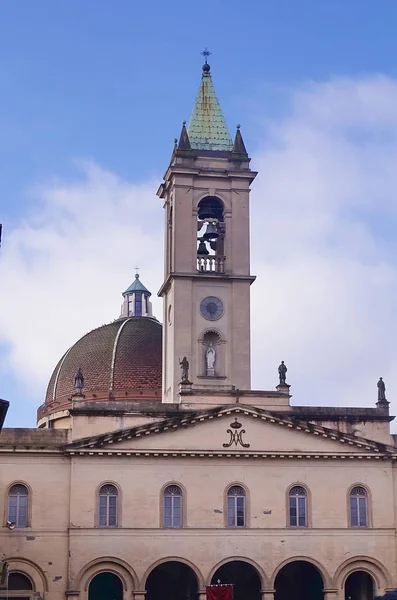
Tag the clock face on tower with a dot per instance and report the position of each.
(211, 308)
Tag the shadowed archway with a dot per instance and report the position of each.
(359, 585)
(299, 580)
(172, 580)
(105, 586)
(244, 577)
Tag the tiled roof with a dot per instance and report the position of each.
(137, 286)
(123, 357)
(207, 128)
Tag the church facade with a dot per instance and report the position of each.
(155, 470)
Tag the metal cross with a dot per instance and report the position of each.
(137, 270)
(206, 53)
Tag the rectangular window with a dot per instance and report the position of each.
(18, 510)
(358, 511)
(172, 511)
(297, 511)
(236, 511)
(107, 511)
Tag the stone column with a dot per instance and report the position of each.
(267, 594)
(137, 595)
(202, 595)
(72, 594)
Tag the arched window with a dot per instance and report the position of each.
(236, 506)
(19, 587)
(359, 507)
(18, 499)
(108, 500)
(297, 506)
(172, 508)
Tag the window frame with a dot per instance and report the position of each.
(181, 497)
(28, 505)
(297, 497)
(368, 513)
(108, 496)
(236, 497)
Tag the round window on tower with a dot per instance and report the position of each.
(211, 308)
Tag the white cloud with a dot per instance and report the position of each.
(323, 248)
(64, 268)
(325, 209)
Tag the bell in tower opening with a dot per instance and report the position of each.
(211, 235)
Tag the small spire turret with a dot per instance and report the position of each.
(239, 150)
(184, 142)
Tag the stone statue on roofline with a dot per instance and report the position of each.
(78, 382)
(282, 373)
(381, 391)
(184, 363)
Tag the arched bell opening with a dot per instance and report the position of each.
(212, 355)
(210, 234)
(244, 578)
(359, 585)
(301, 580)
(172, 580)
(105, 586)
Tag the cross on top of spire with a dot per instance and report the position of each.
(206, 53)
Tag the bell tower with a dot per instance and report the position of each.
(206, 288)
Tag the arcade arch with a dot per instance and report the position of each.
(172, 580)
(243, 575)
(301, 579)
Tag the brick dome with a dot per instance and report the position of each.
(121, 360)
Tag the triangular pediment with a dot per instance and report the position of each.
(237, 431)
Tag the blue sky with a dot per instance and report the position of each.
(110, 83)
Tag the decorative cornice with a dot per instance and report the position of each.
(238, 454)
(203, 276)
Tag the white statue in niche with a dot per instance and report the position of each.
(210, 357)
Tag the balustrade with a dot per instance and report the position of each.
(211, 264)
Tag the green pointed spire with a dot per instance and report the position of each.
(207, 128)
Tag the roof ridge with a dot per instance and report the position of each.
(114, 351)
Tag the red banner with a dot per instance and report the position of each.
(219, 592)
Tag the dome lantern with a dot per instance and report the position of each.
(136, 300)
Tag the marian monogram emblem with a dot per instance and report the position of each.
(236, 435)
